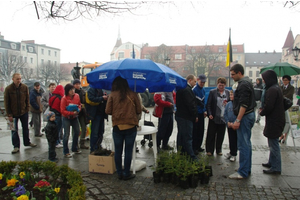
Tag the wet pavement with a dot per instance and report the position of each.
(103, 186)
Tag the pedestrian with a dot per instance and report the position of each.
(47, 95)
(258, 88)
(16, 103)
(186, 115)
(275, 120)
(70, 107)
(243, 108)
(54, 104)
(51, 135)
(95, 105)
(288, 92)
(124, 106)
(229, 118)
(36, 109)
(216, 102)
(82, 114)
(198, 127)
(165, 103)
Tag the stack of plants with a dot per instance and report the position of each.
(34, 180)
(177, 168)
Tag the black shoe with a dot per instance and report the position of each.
(131, 176)
(201, 150)
(31, 124)
(137, 149)
(196, 152)
(120, 177)
(271, 172)
(167, 147)
(266, 165)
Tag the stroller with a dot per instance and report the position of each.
(147, 137)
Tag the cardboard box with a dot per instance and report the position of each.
(102, 164)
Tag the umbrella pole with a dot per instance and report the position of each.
(134, 85)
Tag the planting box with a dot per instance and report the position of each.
(102, 164)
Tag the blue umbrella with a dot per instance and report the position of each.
(139, 73)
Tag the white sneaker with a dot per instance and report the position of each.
(227, 155)
(232, 158)
(68, 155)
(16, 150)
(236, 175)
(59, 146)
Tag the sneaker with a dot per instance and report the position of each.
(131, 176)
(55, 160)
(209, 154)
(219, 153)
(16, 150)
(235, 175)
(77, 152)
(68, 155)
(232, 158)
(59, 146)
(167, 147)
(227, 155)
(32, 145)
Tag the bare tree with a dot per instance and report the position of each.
(60, 74)
(161, 53)
(27, 73)
(46, 72)
(72, 10)
(10, 63)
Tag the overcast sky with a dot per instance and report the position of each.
(259, 26)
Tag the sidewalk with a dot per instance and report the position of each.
(102, 186)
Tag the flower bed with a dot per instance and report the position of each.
(34, 180)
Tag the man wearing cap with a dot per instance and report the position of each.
(198, 128)
(16, 102)
(36, 108)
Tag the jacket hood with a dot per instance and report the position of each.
(260, 81)
(270, 78)
(59, 90)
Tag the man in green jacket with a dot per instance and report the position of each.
(16, 102)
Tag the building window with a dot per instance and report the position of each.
(127, 46)
(254, 62)
(49, 62)
(42, 51)
(223, 58)
(25, 59)
(147, 56)
(185, 68)
(55, 53)
(55, 63)
(30, 49)
(13, 46)
(234, 50)
(42, 61)
(49, 52)
(193, 50)
(250, 74)
(257, 73)
(23, 48)
(212, 82)
(178, 56)
(238, 57)
(31, 60)
(220, 49)
(247, 62)
(31, 71)
(121, 55)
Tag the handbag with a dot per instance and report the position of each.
(287, 103)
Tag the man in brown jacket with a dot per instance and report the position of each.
(36, 108)
(16, 102)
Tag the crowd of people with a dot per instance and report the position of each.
(70, 106)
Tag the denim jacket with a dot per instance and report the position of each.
(228, 114)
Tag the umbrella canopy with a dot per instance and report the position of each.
(139, 73)
(282, 68)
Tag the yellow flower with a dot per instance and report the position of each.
(57, 190)
(22, 174)
(23, 197)
(12, 182)
(0, 176)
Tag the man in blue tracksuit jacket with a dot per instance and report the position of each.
(198, 128)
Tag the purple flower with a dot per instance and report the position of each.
(20, 190)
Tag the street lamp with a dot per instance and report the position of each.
(167, 59)
(296, 51)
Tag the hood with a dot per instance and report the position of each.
(260, 81)
(59, 90)
(270, 78)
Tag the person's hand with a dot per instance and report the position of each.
(147, 111)
(205, 114)
(210, 117)
(10, 119)
(236, 125)
(75, 112)
(196, 119)
(104, 97)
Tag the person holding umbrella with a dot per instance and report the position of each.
(124, 106)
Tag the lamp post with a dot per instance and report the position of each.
(167, 59)
(296, 51)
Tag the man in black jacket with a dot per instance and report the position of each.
(185, 116)
(243, 108)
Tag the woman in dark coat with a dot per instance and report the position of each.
(275, 120)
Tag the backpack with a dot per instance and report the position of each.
(52, 109)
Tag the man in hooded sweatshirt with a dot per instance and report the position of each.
(243, 108)
(273, 109)
(258, 88)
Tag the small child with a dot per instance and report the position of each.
(52, 135)
(232, 134)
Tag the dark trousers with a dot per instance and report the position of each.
(215, 137)
(15, 135)
(198, 132)
(97, 131)
(36, 118)
(232, 135)
(165, 129)
(51, 150)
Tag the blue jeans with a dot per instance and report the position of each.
(15, 135)
(97, 131)
(75, 125)
(165, 129)
(119, 137)
(244, 144)
(58, 121)
(275, 156)
(185, 136)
